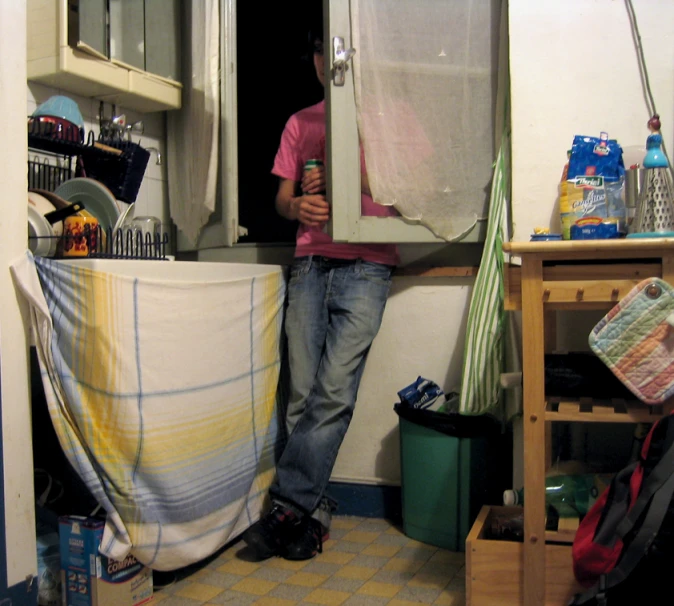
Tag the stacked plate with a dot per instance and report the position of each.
(97, 199)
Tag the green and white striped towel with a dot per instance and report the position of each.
(484, 346)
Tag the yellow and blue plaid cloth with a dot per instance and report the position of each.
(163, 396)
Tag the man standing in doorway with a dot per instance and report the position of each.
(336, 299)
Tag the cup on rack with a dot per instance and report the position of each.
(145, 236)
(80, 236)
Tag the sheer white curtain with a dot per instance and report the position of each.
(192, 131)
(426, 81)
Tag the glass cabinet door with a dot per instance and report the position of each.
(88, 26)
(162, 38)
(127, 32)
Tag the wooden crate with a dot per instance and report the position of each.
(494, 568)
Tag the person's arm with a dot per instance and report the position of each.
(365, 183)
(311, 209)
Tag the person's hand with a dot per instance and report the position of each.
(312, 210)
(313, 181)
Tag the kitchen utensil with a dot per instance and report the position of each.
(97, 199)
(41, 239)
(80, 236)
(55, 128)
(44, 207)
(121, 174)
(62, 107)
(145, 236)
(655, 206)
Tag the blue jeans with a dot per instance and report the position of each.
(334, 312)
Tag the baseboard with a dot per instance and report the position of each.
(367, 501)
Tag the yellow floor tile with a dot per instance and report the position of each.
(451, 598)
(238, 567)
(420, 545)
(387, 551)
(198, 591)
(270, 587)
(336, 557)
(360, 536)
(448, 557)
(328, 597)
(344, 523)
(306, 579)
(429, 581)
(267, 601)
(231, 552)
(360, 573)
(286, 564)
(254, 586)
(403, 565)
(382, 590)
(199, 574)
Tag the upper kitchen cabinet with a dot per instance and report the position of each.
(121, 52)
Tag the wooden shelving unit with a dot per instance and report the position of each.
(553, 276)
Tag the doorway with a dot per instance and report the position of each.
(276, 73)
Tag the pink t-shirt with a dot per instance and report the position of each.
(303, 139)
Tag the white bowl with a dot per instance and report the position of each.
(43, 207)
(41, 239)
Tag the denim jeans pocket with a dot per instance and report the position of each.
(375, 272)
(300, 268)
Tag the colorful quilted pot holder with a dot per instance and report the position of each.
(636, 340)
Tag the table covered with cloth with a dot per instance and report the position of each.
(163, 395)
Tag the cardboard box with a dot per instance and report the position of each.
(91, 579)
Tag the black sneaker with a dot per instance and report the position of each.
(268, 536)
(306, 541)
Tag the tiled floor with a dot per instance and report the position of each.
(366, 562)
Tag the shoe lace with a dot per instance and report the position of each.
(278, 516)
(312, 538)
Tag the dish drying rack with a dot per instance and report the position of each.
(118, 164)
(107, 243)
(122, 165)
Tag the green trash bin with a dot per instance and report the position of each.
(450, 467)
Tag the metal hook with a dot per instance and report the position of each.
(156, 151)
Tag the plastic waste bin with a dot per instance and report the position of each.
(451, 465)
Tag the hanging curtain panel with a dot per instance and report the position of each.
(192, 132)
(426, 85)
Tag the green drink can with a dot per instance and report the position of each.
(312, 163)
(308, 165)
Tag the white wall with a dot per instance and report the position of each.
(19, 522)
(422, 333)
(573, 69)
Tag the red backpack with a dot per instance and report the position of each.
(627, 536)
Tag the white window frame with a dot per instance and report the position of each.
(347, 223)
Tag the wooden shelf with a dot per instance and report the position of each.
(601, 285)
(603, 411)
(553, 276)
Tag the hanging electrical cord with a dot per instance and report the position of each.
(643, 71)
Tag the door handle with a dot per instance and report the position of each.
(340, 56)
